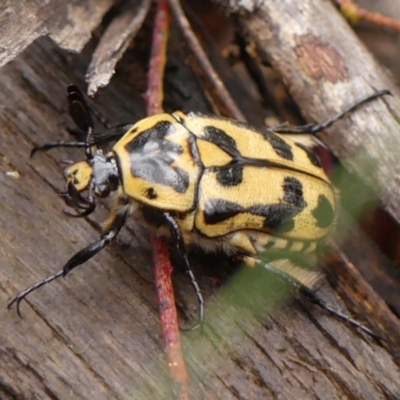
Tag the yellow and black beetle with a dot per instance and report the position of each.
(216, 183)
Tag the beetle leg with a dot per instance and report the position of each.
(180, 244)
(79, 258)
(308, 293)
(312, 129)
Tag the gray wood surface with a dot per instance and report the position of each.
(325, 68)
(95, 334)
(69, 23)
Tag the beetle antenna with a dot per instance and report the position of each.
(80, 113)
(52, 145)
(180, 244)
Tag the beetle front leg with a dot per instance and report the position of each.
(77, 259)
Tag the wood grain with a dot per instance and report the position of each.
(325, 68)
(70, 24)
(95, 334)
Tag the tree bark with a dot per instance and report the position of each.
(70, 24)
(325, 67)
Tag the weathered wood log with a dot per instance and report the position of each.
(70, 24)
(95, 334)
(325, 67)
(114, 42)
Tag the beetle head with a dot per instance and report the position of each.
(98, 175)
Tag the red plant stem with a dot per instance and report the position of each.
(169, 318)
(158, 57)
(204, 62)
(161, 258)
(356, 13)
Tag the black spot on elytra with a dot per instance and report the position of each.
(277, 217)
(152, 155)
(218, 210)
(312, 156)
(154, 134)
(282, 148)
(293, 192)
(323, 213)
(230, 176)
(220, 138)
